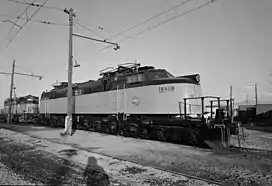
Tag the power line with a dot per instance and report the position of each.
(23, 69)
(37, 5)
(25, 11)
(92, 25)
(10, 41)
(3, 21)
(33, 20)
(85, 27)
(151, 18)
(163, 22)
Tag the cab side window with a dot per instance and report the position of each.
(135, 78)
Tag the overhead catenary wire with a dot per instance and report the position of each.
(25, 11)
(85, 27)
(37, 5)
(92, 25)
(162, 23)
(149, 19)
(10, 41)
(23, 69)
(34, 20)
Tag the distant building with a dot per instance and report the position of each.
(260, 113)
(260, 109)
(263, 108)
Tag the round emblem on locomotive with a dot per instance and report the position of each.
(136, 101)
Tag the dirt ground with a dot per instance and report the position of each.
(9, 177)
(254, 138)
(119, 172)
(229, 166)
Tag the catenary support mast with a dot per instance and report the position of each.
(10, 93)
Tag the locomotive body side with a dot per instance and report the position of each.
(162, 96)
(139, 103)
(153, 99)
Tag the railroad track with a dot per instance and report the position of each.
(270, 139)
(154, 167)
(247, 149)
(189, 176)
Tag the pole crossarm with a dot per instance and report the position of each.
(98, 40)
(22, 74)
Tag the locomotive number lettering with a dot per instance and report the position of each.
(166, 89)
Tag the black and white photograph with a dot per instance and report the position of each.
(136, 92)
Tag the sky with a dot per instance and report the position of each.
(228, 42)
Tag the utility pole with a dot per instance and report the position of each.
(246, 99)
(69, 119)
(231, 102)
(10, 93)
(70, 70)
(15, 98)
(256, 95)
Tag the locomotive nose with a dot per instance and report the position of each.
(194, 77)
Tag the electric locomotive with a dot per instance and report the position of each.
(22, 108)
(130, 100)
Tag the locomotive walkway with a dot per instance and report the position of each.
(149, 158)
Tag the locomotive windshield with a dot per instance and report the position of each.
(157, 74)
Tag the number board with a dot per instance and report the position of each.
(166, 89)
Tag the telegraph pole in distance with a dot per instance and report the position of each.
(231, 102)
(10, 93)
(256, 97)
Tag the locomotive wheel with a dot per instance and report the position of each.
(105, 128)
(144, 134)
(85, 125)
(193, 136)
(97, 127)
(133, 130)
(160, 135)
(113, 128)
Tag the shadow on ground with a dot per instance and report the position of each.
(94, 174)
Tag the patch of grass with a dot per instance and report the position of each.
(38, 166)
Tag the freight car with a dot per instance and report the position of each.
(131, 100)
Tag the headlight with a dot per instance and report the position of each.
(197, 78)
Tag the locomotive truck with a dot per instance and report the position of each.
(136, 101)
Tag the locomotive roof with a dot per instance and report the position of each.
(121, 71)
(110, 72)
(22, 98)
